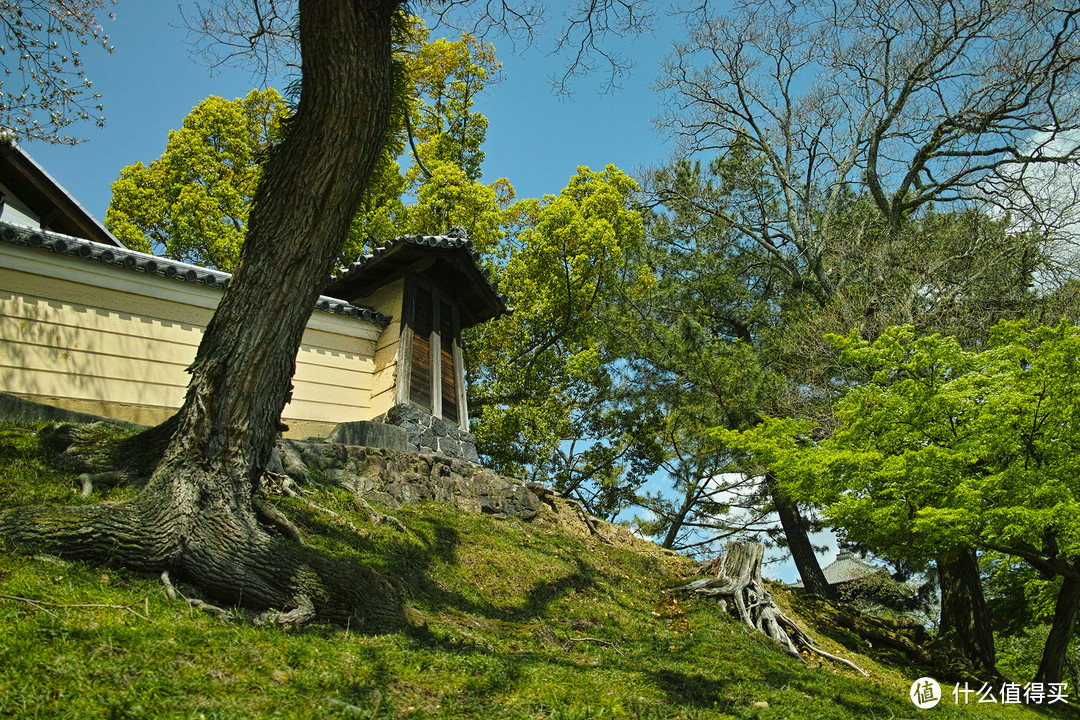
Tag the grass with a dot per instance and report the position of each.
(507, 619)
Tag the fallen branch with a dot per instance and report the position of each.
(43, 605)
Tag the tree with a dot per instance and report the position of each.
(843, 133)
(541, 379)
(947, 449)
(919, 102)
(447, 76)
(198, 516)
(44, 88)
(192, 203)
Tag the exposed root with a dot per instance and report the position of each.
(88, 481)
(207, 533)
(172, 593)
(376, 516)
(801, 638)
(587, 519)
(274, 518)
(302, 613)
(738, 581)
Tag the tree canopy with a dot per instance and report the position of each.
(192, 203)
(946, 448)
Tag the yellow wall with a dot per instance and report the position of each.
(113, 342)
(388, 301)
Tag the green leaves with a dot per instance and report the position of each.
(947, 446)
(192, 203)
(542, 376)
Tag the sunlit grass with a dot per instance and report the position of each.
(507, 619)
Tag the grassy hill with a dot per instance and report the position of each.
(506, 619)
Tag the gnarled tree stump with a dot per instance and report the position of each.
(738, 587)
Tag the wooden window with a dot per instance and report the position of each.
(432, 377)
(448, 369)
(420, 385)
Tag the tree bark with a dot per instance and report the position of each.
(965, 621)
(738, 581)
(195, 518)
(1052, 666)
(802, 551)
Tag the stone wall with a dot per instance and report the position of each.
(430, 434)
(389, 477)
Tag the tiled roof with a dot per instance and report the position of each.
(455, 238)
(153, 265)
(846, 568)
(45, 196)
(369, 269)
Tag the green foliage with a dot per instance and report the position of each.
(744, 292)
(507, 620)
(449, 198)
(543, 376)
(192, 203)
(447, 75)
(945, 447)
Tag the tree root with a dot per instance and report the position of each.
(302, 613)
(171, 592)
(739, 582)
(274, 518)
(583, 513)
(211, 537)
(376, 516)
(89, 481)
(289, 488)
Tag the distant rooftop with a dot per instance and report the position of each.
(845, 568)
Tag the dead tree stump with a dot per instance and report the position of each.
(739, 588)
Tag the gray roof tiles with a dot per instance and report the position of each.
(154, 265)
(846, 568)
(355, 279)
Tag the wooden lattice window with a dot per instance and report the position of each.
(431, 373)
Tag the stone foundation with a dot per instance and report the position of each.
(430, 434)
(390, 477)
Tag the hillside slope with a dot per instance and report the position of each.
(506, 619)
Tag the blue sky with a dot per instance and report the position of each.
(535, 138)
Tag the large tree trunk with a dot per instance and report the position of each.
(1052, 667)
(196, 516)
(965, 621)
(798, 538)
